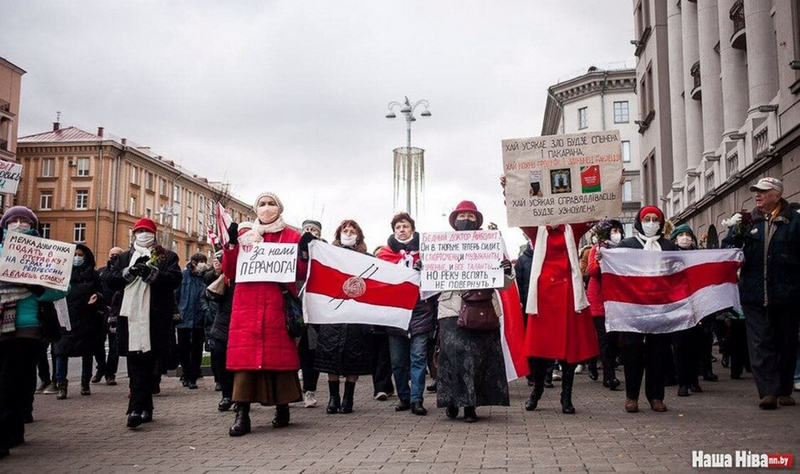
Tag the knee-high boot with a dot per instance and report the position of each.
(567, 380)
(539, 373)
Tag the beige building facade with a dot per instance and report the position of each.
(718, 84)
(601, 100)
(92, 187)
(10, 89)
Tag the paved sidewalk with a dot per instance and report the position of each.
(88, 434)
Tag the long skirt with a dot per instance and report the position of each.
(267, 387)
(471, 367)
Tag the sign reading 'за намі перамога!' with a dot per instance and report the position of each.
(267, 262)
(36, 261)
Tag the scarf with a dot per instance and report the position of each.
(136, 306)
(10, 294)
(407, 251)
(650, 243)
(256, 230)
(539, 250)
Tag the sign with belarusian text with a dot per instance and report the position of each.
(36, 261)
(267, 262)
(461, 260)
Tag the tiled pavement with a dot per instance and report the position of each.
(88, 434)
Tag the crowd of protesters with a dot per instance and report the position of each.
(144, 307)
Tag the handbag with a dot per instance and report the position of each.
(477, 311)
(293, 312)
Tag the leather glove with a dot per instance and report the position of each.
(418, 265)
(36, 290)
(233, 233)
(506, 264)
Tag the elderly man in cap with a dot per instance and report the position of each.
(769, 280)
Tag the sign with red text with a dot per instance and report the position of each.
(10, 174)
(30, 260)
(267, 262)
(563, 179)
(461, 260)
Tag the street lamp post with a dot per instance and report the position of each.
(410, 165)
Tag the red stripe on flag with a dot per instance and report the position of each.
(328, 281)
(667, 289)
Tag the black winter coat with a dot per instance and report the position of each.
(86, 319)
(634, 243)
(222, 315)
(776, 280)
(162, 301)
(522, 270)
(112, 299)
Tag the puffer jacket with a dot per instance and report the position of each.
(189, 297)
(771, 271)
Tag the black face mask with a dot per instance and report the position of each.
(466, 224)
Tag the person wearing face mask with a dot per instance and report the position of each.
(646, 353)
(21, 336)
(107, 367)
(471, 366)
(84, 303)
(609, 234)
(194, 315)
(261, 353)
(344, 350)
(148, 275)
(409, 349)
(307, 347)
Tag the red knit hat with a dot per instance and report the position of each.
(145, 223)
(466, 206)
(651, 210)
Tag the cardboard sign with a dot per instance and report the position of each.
(563, 179)
(36, 261)
(461, 260)
(10, 175)
(267, 262)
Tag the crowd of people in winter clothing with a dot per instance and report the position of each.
(144, 307)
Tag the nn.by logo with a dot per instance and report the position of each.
(741, 459)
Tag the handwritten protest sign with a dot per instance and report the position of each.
(563, 179)
(461, 260)
(32, 260)
(267, 262)
(10, 174)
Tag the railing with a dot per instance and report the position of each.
(691, 195)
(760, 142)
(732, 164)
(711, 182)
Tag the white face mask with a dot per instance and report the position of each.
(348, 240)
(19, 227)
(201, 267)
(594, 239)
(616, 237)
(145, 239)
(684, 242)
(650, 228)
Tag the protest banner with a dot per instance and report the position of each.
(563, 179)
(10, 174)
(36, 261)
(461, 260)
(267, 262)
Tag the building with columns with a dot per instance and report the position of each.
(717, 84)
(92, 187)
(10, 87)
(597, 101)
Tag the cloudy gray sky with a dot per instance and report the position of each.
(291, 96)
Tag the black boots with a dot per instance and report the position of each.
(334, 402)
(224, 404)
(452, 412)
(533, 400)
(418, 409)
(241, 425)
(347, 399)
(85, 389)
(62, 389)
(540, 372)
(134, 419)
(568, 378)
(469, 415)
(281, 416)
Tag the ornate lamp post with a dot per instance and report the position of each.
(409, 163)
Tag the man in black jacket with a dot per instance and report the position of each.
(107, 367)
(769, 281)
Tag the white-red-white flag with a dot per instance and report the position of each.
(344, 286)
(663, 292)
(222, 220)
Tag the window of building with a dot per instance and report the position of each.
(628, 229)
(133, 208)
(48, 167)
(188, 225)
(621, 114)
(149, 181)
(583, 120)
(188, 198)
(176, 194)
(79, 233)
(83, 166)
(82, 199)
(176, 218)
(46, 201)
(148, 213)
(134, 175)
(626, 151)
(627, 191)
(45, 228)
(650, 91)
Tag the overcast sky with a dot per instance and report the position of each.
(290, 96)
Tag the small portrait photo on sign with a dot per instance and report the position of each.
(561, 181)
(536, 183)
(590, 179)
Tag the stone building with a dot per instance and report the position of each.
(10, 86)
(91, 188)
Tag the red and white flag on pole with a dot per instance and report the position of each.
(344, 286)
(512, 334)
(222, 220)
(663, 292)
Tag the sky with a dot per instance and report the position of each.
(291, 97)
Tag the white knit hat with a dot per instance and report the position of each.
(270, 195)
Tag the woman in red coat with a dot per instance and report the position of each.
(260, 352)
(559, 323)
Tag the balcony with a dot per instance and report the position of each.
(761, 142)
(739, 36)
(697, 91)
